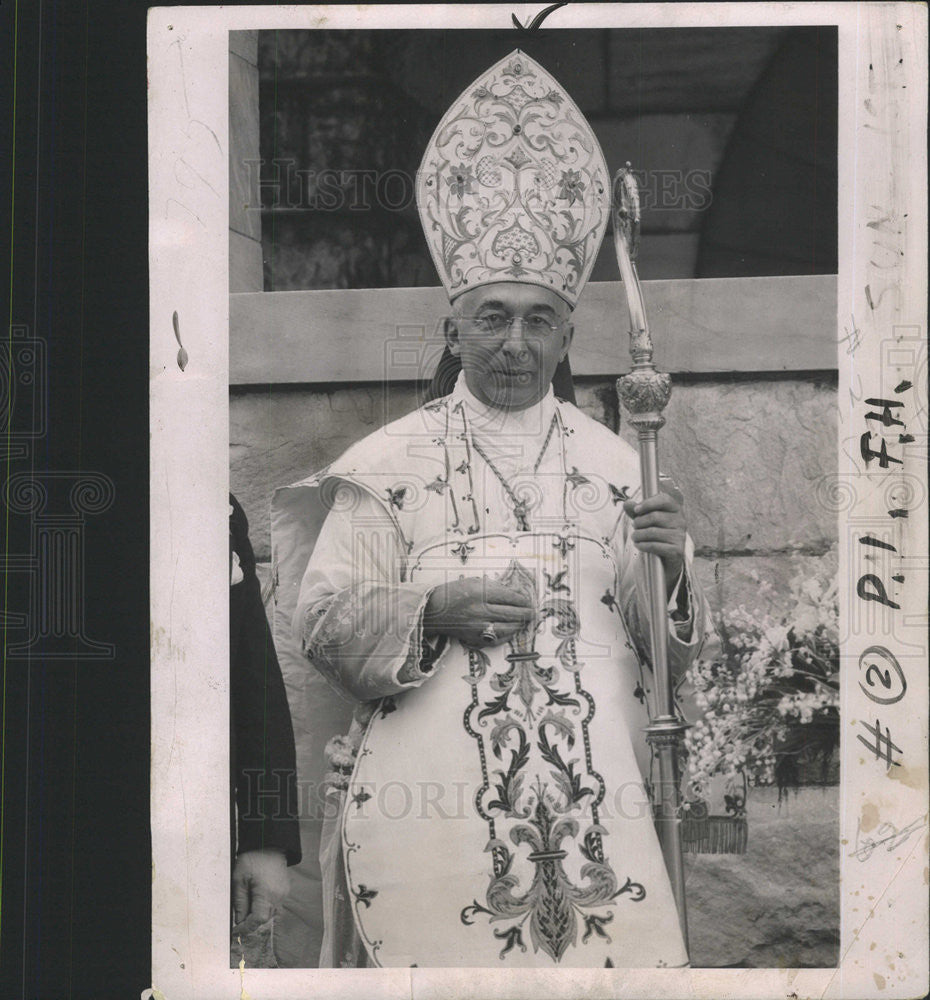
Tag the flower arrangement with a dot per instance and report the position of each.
(770, 697)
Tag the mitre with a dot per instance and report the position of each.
(513, 185)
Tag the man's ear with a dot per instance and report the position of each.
(568, 331)
(451, 330)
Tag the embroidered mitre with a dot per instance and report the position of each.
(513, 185)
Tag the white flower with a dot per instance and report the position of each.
(777, 637)
(812, 589)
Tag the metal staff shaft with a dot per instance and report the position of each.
(644, 394)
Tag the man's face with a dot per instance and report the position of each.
(510, 338)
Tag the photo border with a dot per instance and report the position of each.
(881, 344)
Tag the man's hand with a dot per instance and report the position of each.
(259, 883)
(464, 609)
(659, 527)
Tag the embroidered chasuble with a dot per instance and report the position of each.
(492, 810)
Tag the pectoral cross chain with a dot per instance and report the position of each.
(520, 505)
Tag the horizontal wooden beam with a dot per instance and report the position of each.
(394, 334)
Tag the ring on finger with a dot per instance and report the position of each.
(489, 634)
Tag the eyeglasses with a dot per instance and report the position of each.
(499, 324)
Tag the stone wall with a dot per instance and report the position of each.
(777, 905)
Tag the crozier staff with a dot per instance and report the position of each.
(478, 587)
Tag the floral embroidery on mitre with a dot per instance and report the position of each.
(513, 185)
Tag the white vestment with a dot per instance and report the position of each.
(494, 811)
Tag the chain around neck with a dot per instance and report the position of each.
(520, 507)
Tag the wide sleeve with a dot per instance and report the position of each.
(357, 620)
(688, 619)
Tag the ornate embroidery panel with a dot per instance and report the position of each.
(550, 876)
